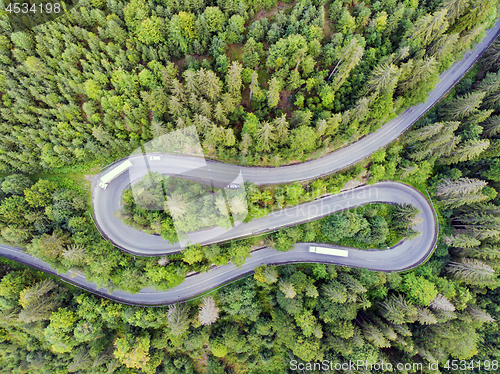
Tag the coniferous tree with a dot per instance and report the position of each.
(281, 127)
(485, 252)
(470, 270)
(438, 140)
(350, 57)
(478, 314)
(266, 136)
(405, 212)
(252, 53)
(373, 335)
(396, 309)
(461, 241)
(430, 27)
(254, 86)
(462, 191)
(274, 92)
(454, 8)
(287, 288)
(421, 75)
(208, 311)
(176, 206)
(440, 302)
(492, 56)
(178, 319)
(490, 83)
(233, 80)
(384, 78)
(335, 291)
(425, 316)
(461, 107)
(75, 254)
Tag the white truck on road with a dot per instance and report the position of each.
(329, 251)
(119, 170)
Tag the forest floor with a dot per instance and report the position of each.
(271, 13)
(235, 52)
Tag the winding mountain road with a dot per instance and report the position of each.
(107, 202)
(406, 255)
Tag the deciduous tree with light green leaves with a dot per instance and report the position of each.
(214, 18)
(193, 254)
(151, 30)
(133, 351)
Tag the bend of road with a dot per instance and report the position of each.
(107, 202)
(405, 255)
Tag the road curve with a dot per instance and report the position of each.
(107, 202)
(405, 255)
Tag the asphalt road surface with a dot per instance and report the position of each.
(405, 255)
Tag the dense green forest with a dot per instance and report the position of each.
(148, 195)
(260, 87)
(170, 207)
(193, 206)
(50, 219)
(258, 325)
(265, 83)
(308, 312)
(444, 309)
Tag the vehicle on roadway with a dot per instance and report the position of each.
(154, 158)
(233, 186)
(119, 170)
(329, 251)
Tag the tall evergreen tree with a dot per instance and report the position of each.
(470, 270)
